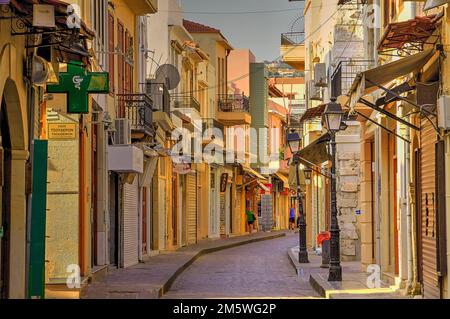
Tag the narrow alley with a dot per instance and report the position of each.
(258, 270)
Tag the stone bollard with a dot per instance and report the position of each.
(325, 254)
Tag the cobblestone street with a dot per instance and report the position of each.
(251, 271)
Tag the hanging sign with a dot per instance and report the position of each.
(77, 83)
(223, 182)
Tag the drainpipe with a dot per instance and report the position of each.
(409, 228)
(377, 195)
(447, 196)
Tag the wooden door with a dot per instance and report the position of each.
(144, 220)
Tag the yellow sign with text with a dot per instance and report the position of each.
(62, 131)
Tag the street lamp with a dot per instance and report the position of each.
(307, 172)
(333, 116)
(293, 140)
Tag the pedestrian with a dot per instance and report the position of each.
(250, 220)
(292, 218)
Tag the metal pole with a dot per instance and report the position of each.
(303, 252)
(335, 258)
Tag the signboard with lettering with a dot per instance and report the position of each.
(223, 182)
(62, 131)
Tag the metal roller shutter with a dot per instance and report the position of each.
(130, 224)
(222, 214)
(429, 210)
(191, 208)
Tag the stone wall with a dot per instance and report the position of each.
(348, 188)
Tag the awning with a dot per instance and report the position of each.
(252, 172)
(430, 4)
(408, 36)
(316, 153)
(367, 81)
(313, 113)
(262, 186)
(283, 178)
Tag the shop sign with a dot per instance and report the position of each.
(62, 131)
(77, 84)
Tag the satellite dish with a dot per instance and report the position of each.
(39, 70)
(168, 74)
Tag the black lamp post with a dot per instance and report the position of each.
(333, 116)
(294, 145)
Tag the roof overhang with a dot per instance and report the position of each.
(142, 7)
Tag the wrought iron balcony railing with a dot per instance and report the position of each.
(138, 108)
(184, 101)
(233, 103)
(293, 38)
(345, 74)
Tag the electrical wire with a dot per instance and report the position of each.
(275, 60)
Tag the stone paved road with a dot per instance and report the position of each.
(259, 270)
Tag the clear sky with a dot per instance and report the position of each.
(260, 32)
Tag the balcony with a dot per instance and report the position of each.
(138, 109)
(293, 49)
(345, 73)
(184, 101)
(233, 109)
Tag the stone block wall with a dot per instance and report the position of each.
(348, 189)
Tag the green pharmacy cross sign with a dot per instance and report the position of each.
(78, 83)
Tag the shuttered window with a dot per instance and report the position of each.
(111, 49)
(121, 67)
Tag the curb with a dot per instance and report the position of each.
(317, 286)
(166, 287)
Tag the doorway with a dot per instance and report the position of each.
(5, 199)
(94, 197)
(144, 221)
(113, 219)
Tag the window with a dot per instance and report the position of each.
(99, 9)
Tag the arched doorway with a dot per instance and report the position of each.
(5, 198)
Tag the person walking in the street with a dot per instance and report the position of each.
(250, 220)
(292, 218)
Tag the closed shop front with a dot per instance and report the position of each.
(191, 208)
(238, 210)
(222, 214)
(428, 212)
(130, 223)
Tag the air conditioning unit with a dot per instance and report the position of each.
(314, 92)
(122, 135)
(320, 75)
(443, 110)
